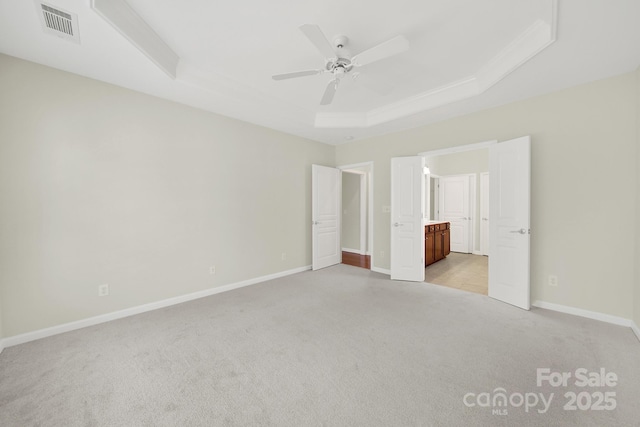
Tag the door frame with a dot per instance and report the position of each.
(484, 200)
(357, 168)
(362, 209)
(460, 149)
(436, 197)
(427, 196)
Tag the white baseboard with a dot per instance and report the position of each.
(476, 253)
(584, 313)
(381, 270)
(353, 251)
(635, 329)
(67, 327)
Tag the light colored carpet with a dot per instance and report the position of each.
(340, 346)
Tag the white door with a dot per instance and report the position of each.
(484, 213)
(455, 208)
(509, 228)
(326, 195)
(407, 226)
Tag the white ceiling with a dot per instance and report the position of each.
(464, 56)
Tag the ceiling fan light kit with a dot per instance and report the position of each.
(338, 59)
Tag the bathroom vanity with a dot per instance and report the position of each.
(437, 239)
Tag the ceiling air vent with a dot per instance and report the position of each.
(58, 22)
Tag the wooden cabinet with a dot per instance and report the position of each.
(437, 237)
(446, 241)
(436, 242)
(429, 248)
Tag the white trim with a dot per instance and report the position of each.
(534, 39)
(353, 251)
(473, 209)
(458, 149)
(635, 329)
(381, 270)
(2, 345)
(427, 196)
(363, 213)
(91, 321)
(354, 166)
(483, 236)
(363, 208)
(370, 250)
(608, 318)
(436, 197)
(354, 171)
(127, 22)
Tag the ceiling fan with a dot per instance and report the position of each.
(338, 60)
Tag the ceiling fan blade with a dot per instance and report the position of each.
(319, 40)
(391, 47)
(295, 74)
(329, 92)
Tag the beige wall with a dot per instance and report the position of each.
(101, 184)
(636, 316)
(1, 328)
(351, 211)
(584, 161)
(474, 161)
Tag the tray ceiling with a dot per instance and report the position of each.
(464, 55)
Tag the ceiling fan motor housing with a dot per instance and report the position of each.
(339, 66)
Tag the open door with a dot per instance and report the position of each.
(407, 228)
(326, 199)
(509, 228)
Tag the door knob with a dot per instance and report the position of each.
(521, 231)
(316, 222)
(397, 224)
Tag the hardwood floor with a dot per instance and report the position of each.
(356, 260)
(461, 271)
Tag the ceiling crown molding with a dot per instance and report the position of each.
(128, 23)
(537, 37)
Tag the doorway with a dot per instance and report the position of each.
(456, 175)
(509, 217)
(357, 214)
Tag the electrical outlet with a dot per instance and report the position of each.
(212, 270)
(283, 256)
(381, 254)
(386, 209)
(553, 280)
(103, 290)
